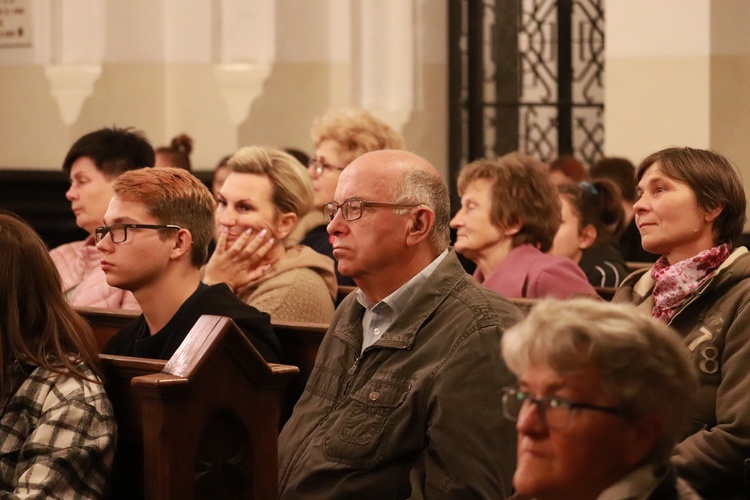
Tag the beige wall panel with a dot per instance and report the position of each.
(730, 109)
(126, 95)
(653, 103)
(730, 112)
(293, 95)
(32, 134)
(194, 106)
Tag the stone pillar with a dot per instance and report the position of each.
(383, 59)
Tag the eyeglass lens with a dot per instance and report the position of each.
(350, 210)
(554, 413)
(117, 233)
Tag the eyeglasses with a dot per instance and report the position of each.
(352, 209)
(319, 166)
(119, 232)
(555, 411)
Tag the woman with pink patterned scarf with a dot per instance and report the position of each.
(691, 211)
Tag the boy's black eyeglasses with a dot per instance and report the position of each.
(119, 232)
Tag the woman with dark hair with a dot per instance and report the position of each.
(177, 154)
(592, 219)
(691, 211)
(57, 429)
(510, 212)
(93, 163)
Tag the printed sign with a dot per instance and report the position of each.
(15, 23)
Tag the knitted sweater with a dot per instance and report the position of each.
(301, 286)
(83, 281)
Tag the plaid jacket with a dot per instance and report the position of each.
(57, 437)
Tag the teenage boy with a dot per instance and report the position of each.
(154, 240)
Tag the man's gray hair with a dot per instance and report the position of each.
(429, 189)
(643, 363)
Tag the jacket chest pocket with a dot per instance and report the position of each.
(364, 421)
(370, 408)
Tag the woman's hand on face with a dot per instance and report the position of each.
(241, 262)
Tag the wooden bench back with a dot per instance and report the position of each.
(605, 292)
(635, 266)
(299, 345)
(201, 425)
(342, 293)
(106, 322)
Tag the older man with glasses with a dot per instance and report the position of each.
(400, 403)
(603, 396)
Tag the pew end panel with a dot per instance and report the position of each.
(201, 425)
(226, 445)
(126, 481)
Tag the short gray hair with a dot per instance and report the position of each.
(429, 189)
(644, 364)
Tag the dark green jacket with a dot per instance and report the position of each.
(418, 414)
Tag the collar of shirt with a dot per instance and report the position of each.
(639, 483)
(379, 317)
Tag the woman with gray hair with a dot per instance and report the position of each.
(265, 194)
(603, 395)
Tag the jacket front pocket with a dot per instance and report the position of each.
(370, 408)
(360, 434)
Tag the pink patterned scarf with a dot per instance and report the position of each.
(675, 283)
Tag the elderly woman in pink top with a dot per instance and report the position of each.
(93, 163)
(510, 212)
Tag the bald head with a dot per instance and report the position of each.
(409, 179)
(390, 166)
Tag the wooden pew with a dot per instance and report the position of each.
(524, 304)
(635, 266)
(201, 425)
(299, 345)
(605, 292)
(343, 291)
(106, 322)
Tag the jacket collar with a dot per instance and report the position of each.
(403, 331)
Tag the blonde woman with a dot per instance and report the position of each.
(340, 136)
(265, 194)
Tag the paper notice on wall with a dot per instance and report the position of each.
(15, 23)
